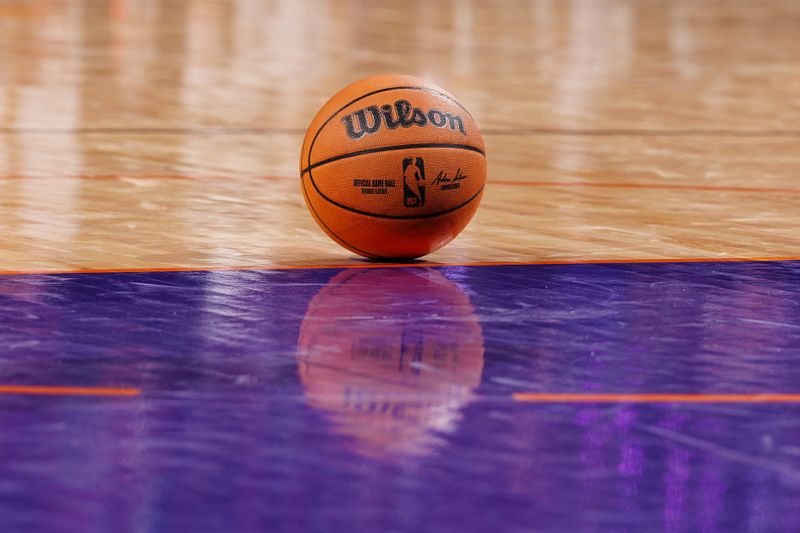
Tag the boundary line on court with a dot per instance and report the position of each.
(244, 130)
(416, 264)
(529, 397)
(490, 182)
(43, 390)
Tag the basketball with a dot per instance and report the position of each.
(393, 167)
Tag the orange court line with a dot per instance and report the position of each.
(510, 131)
(145, 130)
(606, 185)
(515, 183)
(418, 264)
(640, 132)
(67, 391)
(655, 398)
(152, 177)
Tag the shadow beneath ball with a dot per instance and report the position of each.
(377, 261)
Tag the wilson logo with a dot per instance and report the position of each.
(402, 115)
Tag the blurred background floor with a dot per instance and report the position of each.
(614, 130)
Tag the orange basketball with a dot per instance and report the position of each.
(393, 167)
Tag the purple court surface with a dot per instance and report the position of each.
(412, 399)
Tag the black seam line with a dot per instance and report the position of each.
(320, 221)
(392, 148)
(398, 217)
(397, 88)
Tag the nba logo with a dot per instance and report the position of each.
(413, 182)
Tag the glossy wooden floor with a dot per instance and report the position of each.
(138, 135)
